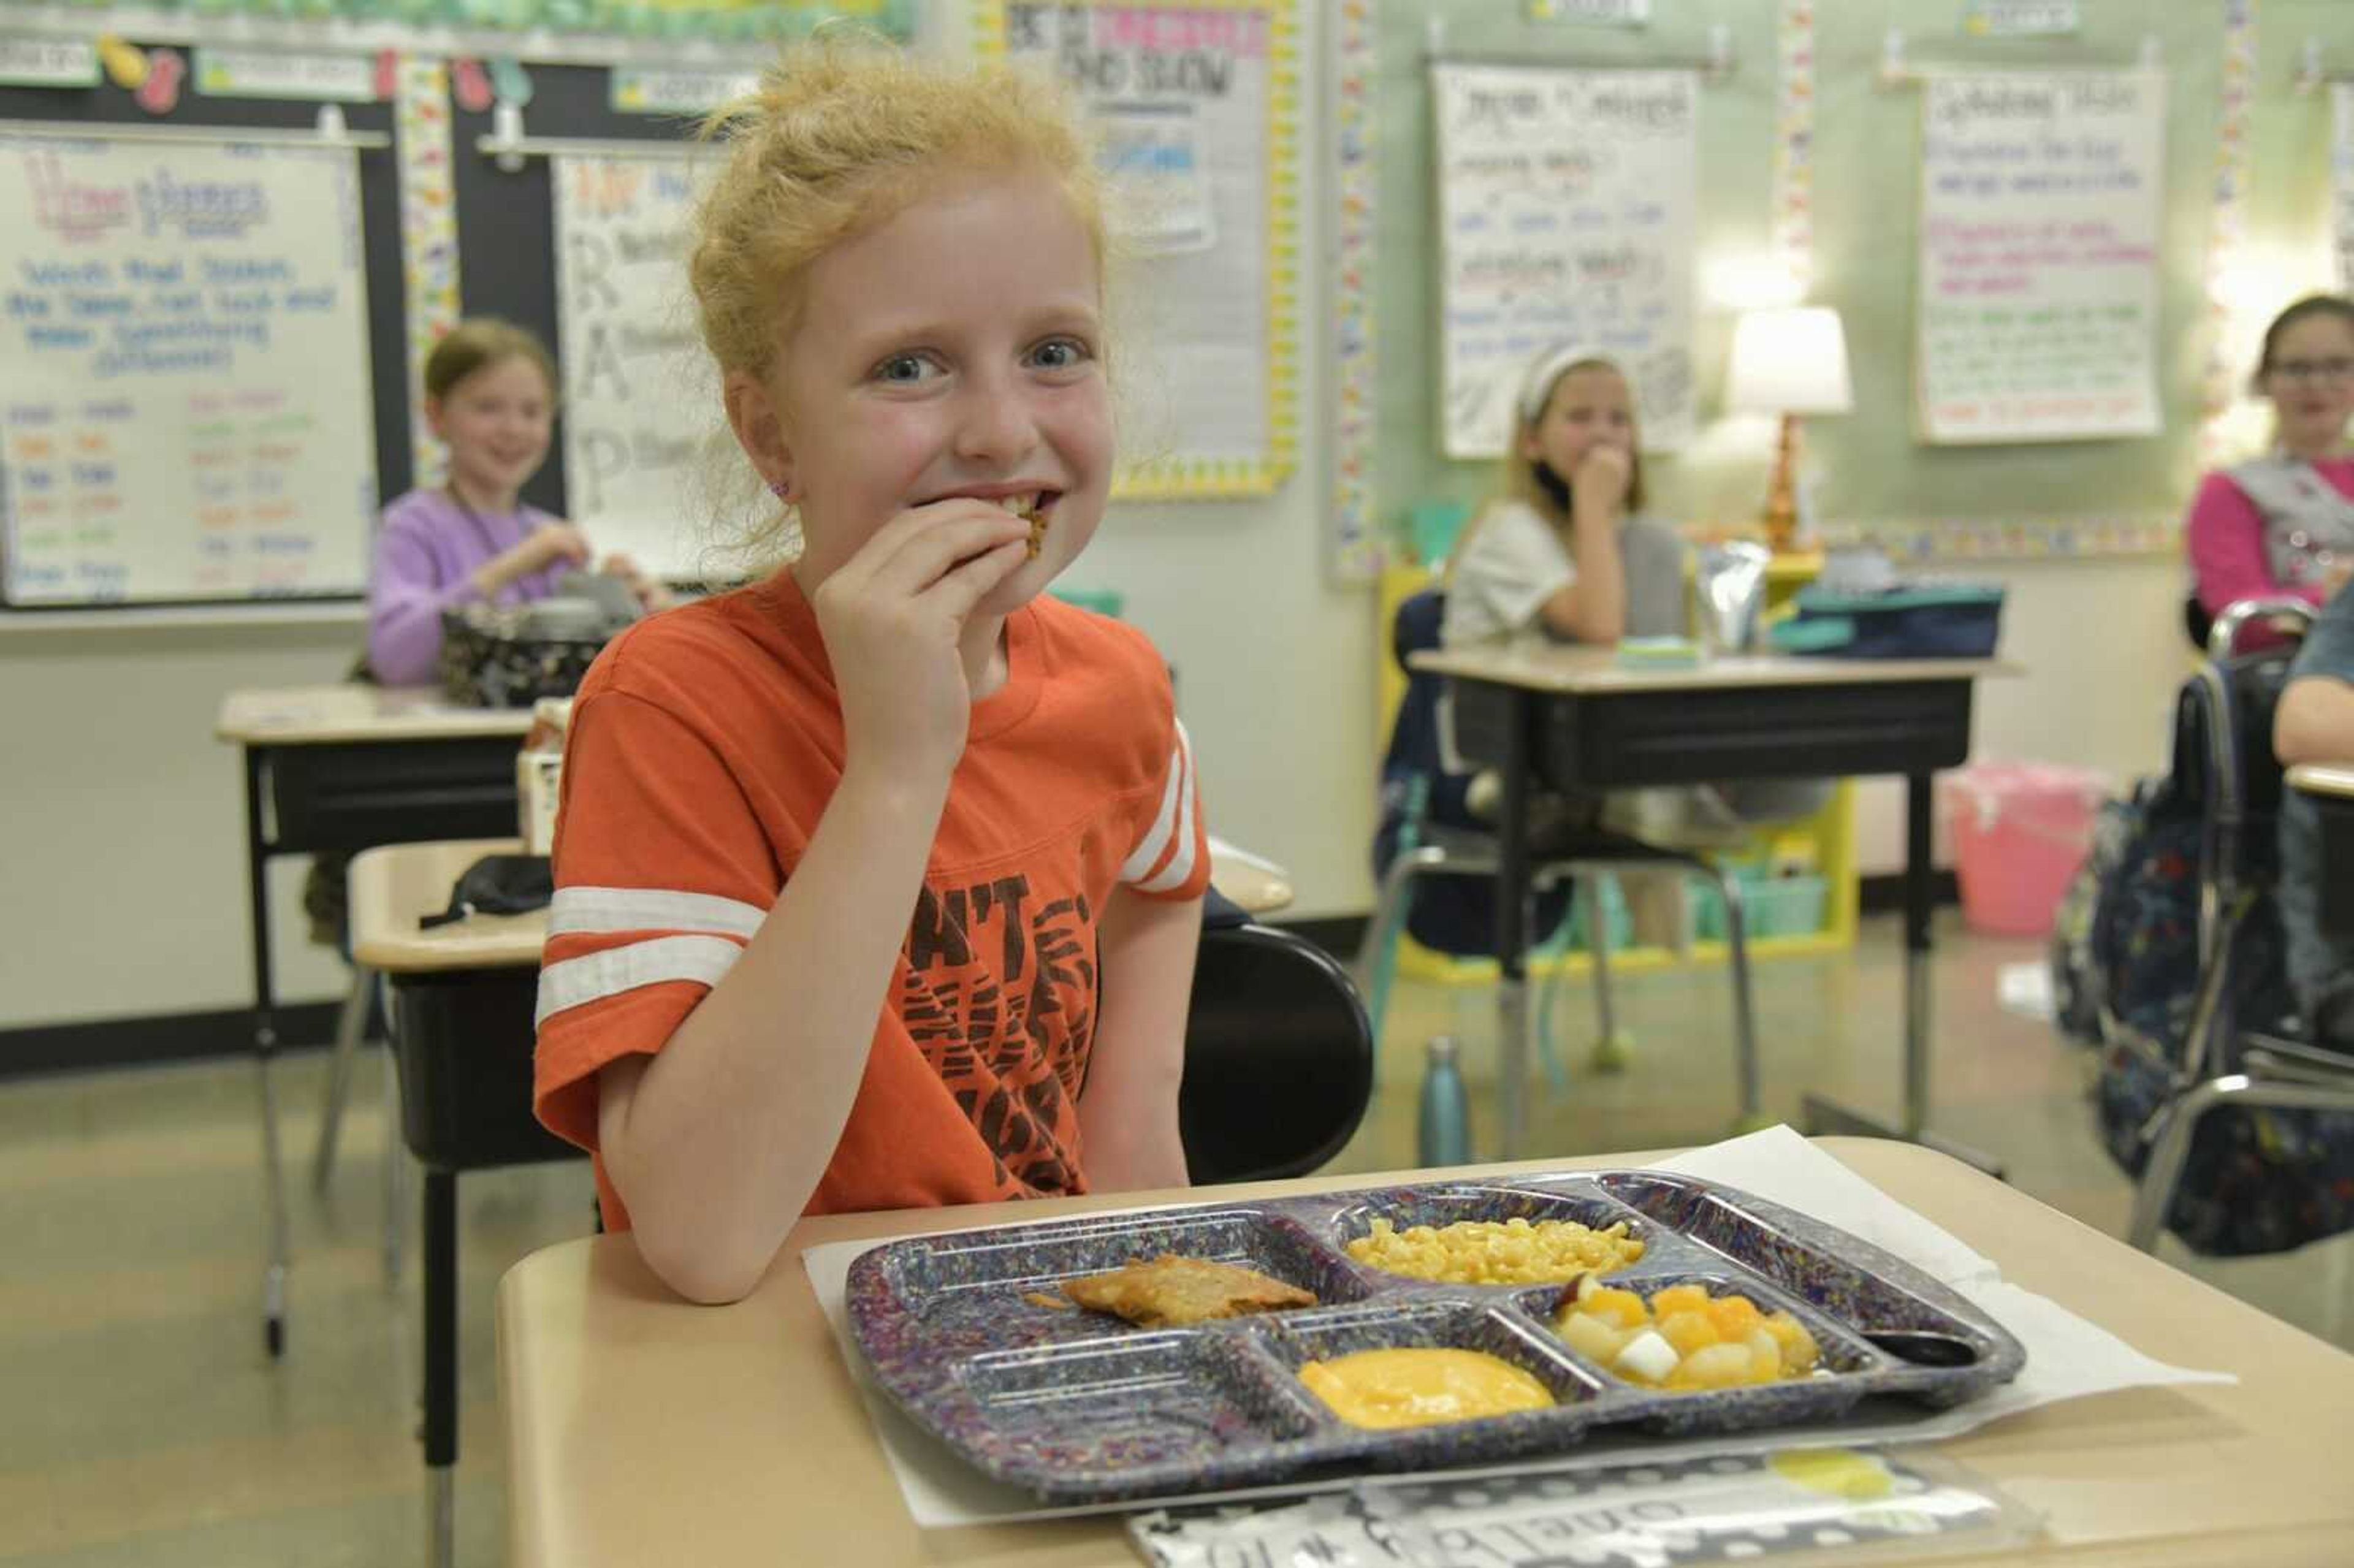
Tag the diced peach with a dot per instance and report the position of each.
(1688, 1330)
(1733, 1316)
(1680, 1298)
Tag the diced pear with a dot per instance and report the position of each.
(1590, 1337)
(1646, 1357)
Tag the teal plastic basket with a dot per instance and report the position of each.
(1771, 905)
(1432, 527)
(1103, 602)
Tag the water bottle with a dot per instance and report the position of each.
(1445, 1136)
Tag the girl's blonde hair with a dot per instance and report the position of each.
(843, 134)
(477, 344)
(1518, 480)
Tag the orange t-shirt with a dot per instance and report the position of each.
(703, 749)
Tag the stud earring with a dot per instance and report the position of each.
(777, 487)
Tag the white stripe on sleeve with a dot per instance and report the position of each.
(596, 976)
(1189, 811)
(602, 911)
(1165, 820)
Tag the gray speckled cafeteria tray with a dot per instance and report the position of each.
(1078, 1407)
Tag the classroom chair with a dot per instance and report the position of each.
(1438, 840)
(1279, 1057)
(2231, 1069)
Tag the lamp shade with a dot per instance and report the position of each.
(1790, 360)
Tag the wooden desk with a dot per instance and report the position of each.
(341, 768)
(643, 1429)
(1575, 719)
(461, 1041)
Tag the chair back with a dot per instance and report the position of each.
(1278, 1058)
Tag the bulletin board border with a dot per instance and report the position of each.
(1177, 477)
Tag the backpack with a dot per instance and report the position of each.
(2126, 968)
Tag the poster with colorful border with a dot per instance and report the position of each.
(1198, 107)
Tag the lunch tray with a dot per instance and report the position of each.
(1079, 1407)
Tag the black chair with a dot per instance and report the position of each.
(2228, 1061)
(1278, 1058)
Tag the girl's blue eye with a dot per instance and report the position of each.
(1059, 354)
(903, 369)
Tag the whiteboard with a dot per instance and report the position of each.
(1565, 211)
(2037, 285)
(640, 395)
(1192, 113)
(185, 404)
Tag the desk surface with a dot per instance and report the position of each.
(2317, 778)
(1584, 670)
(317, 715)
(391, 888)
(640, 1428)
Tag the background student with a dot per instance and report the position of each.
(2284, 524)
(489, 396)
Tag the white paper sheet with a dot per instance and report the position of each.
(2067, 1357)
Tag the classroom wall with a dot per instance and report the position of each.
(122, 821)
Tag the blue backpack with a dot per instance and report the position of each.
(2127, 968)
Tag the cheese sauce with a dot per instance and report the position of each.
(1383, 1389)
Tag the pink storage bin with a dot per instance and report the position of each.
(2021, 829)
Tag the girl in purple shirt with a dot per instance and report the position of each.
(490, 395)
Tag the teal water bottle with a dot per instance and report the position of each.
(1445, 1136)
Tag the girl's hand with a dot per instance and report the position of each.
(1599, 486)
(651, 594)
(2334, 578)
(893, 617)
(549, 544)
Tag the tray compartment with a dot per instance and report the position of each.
(1145, 1411)
(1955, 1350)
(1844, 1371)
(967, 1294)
(1446, 1203)
(1436, 1323)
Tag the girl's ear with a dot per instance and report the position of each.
(1531, 447)
(759, 430)
(434, 418)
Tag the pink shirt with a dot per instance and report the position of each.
(2226, 540)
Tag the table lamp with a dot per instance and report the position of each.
(1788, 361)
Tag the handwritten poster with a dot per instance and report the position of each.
(1195, 135)
(2037, 292)
(185, 408)
(2341, 180)
(641, 399)
(1566, 206)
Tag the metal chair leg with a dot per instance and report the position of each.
(1610, 1049)
(351, 1023)
(2171, 1150)
(396, 1171)
(1744, 1018)
(1377, 958)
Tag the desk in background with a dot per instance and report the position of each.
(344, 769)
(643, 1429)
(1575, 719)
